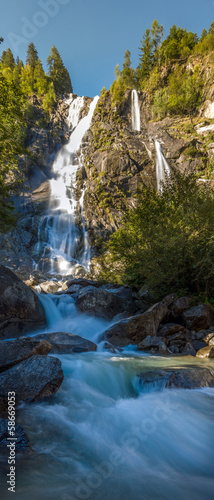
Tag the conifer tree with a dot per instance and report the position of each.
(58, 73)
(7, 59)
(145, 63)
(32, 55)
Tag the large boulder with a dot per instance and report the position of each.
(170, 329)
(179, 307)
(22, 441)
(33, 379)
(135, 329)
(105, 301)
(20, 308)
(199, 317)
(62, 343)
(184, 378)
(15, 351)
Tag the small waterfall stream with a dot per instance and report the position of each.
(162, 167)
(63, 240)
(135, 111)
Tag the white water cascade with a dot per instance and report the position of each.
(63, 240)
(104, 436)
(162, 167)
(135, 111)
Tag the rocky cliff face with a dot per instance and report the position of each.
(118, 160)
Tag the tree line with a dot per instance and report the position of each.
(161, 70)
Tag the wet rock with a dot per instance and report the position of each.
(199, 317)
(15, 351)
(189, 349)
(183, 378)
(136, 328)
(20, 308)
(206, 352)
(153, 342)
(62, 343)
(105, 301)
(22, 441)
(35, 378)
(170, 328)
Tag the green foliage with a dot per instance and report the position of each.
(49, 99)
(178, 45)
(58, 73)
(145, 63)
(167, 242)
(12, 130)
(182, 95)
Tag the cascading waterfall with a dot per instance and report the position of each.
(63, 241)
(162, 167)
(135, 111)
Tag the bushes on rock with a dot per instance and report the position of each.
(167, 242)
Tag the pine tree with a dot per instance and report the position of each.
(157, 37)
(32, 55)
(145, 63)
(58, 73)
(211, 29)
(203, 35)
(117, 72)
(7, 59)
(40, 79)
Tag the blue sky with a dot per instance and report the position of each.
(93, 35)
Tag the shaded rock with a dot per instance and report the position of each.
(199, 317)
(22, 441)
(170, 328)
(184, 378)
(62, 343)
(20, 309)
(33, 379)
(198, 344)
(105, 301)
(189, 349)
(175, 337)
(206, 352)
(133, 330)
(151, 342)
(15, 351)
(3, 408)
(180, 305)
(74, 290)
(82, 282)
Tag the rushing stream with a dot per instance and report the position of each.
(101, 437)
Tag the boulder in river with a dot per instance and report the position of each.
(136, 328)
(183, 378)
(206, 352)
(20, 308)
(22, 441)
(14, 351)
(33, 379)
(105, 301)
(62, 343)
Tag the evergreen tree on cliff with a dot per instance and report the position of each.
(7, 59)
(32, 55)
(58, 73)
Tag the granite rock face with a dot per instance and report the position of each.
(183, 378)
(20, 308)
(16, 351)
(62, 343)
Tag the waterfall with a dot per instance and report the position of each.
(135, 111)
(162, 167)
(62, 234)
